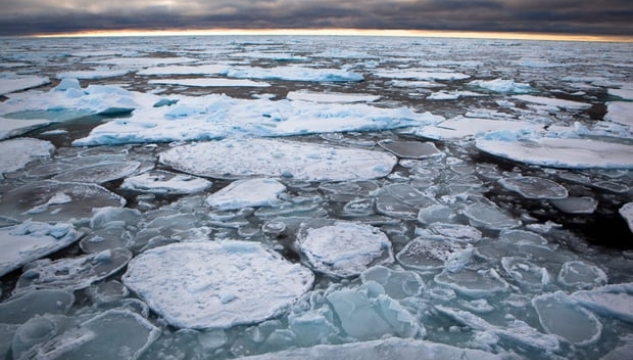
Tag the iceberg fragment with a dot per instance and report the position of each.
(559, 103)
(209, 82)
(216, 284)
(620, 112)
(502, 86)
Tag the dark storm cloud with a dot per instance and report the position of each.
(21, 17)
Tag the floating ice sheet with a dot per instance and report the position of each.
(489, 217)
(343, 249)
(581, 275)
(559, 103)
(141, 62)
(56, 201)
(293, 73)
(18, 152)
(462, 127)
(32, 240)
(615, 301)
(421, 75)
(276, 158)
(531, 187)
(620, 112)
(17, 83)
(562, 153)
(247, 193)
(452, 95)
(525, 272)
(100, 173)
(473, 283)
(216, 284)
(562, 316)
(576, 205)
(165, 182)
(502, 86)
(434, 254)
(72, 273)
(626, 211)
(11, 128)
(210, 69)
(410, 149)
(92, 74)
(397, 284)
(330, 97)
(19, 309)
(209, 82)
(385, 349)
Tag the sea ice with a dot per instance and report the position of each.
(210, 69)
(620, 112)
(99, 173)
(402, 201)
(209, 82)
(531, 187)
(421, 75)
(143, 62)
(216, 284)
(562, 316)
(366, 312)
(502, 86)
(581, 275)
(114, 334)
(559, 103)
(427, 254)
(293, 73)
(626, 211)
(525, 272)
(342, 249)
(473, 283)
(393, 348)
(106, 238)
(56, 201)
(454, 231)
(165, 182)
(397, 284)
(11, 128)
(22, 307)
(614, 301)
(463, 127)
(576, 205)
(452, 95)
(18, 152)
(247, 193)
(561, 152)
(328, 97)
(9, 84)
(276, 158)
(410, 149)
(489, 217)
(92, 74)
(30, 241)
(72, 273)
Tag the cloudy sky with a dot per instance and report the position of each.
(604, 17)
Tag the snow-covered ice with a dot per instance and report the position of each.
(620, 112)
(553, 102)
(9, 84)
(18, 152)
(209, 82)
(502, 86)
(165, 182)
(100, 173)
(343, 249)
(293, 73)
(463, 127)
(434, 254)
(230, 159)
(330, 97)
(11, 128)
(216, 284)
(615, 300)
(247, 193)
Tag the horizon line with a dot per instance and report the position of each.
(345, 32)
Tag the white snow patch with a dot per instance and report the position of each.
(421, 75)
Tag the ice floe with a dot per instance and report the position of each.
(421, 75)
(92, 74)
(232, 159)
(576, 205)
(11, 128)
(525, 273)
(463, 127)
(165, 182)
(12, 83)
(18, 152)
(209, 69)
(209, 82)
(30, 241)
(342, 249)
(502, 86)
(329, 97)
(561, 152)
(554, 102)
(427, 254)
(473, 283)
(247, 193)
(396, 284)
(620, 112)
(581, 275)
(452, 95)
(626, 211)
(22, 307)
(489, 217)
(216, 284)
(614, 300)
(531, 187)
(293, 73)
(410, 149)
(99, 173)
(142, 62)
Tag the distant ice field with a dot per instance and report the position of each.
(315, 197)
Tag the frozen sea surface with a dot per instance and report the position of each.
(315, 197)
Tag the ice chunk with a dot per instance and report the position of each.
(576, 205)
(349, 190)
(525, 272)
(247, 193)
(489, 217)
(107, 292)
(95, 74)
(453, 231)
(385, 349)
(622, 352)
(562, 316)
(581, 275)
(343, 249)
(366, 313)
(293, 73)
(100, 173)
(72, 273)
(434, 254)
(107, 238)
(11, 128)
(435, 213)
(17, 83)
(620, 112)
(473, 283)
(56, 201)
(463, 127)
(165, 182)
(452, 95)
(517, 331)
(402, 201)
(559, 103)
(410, 149)
(502, 86)
(532, 187)
(209, 82)
(562, 153)
(397, 284)
(114, 334)
(32, 240)
(216, 284)
(209, 69)
(421, 74)
(330, 97)
(142, 61)
(18, 152)
(276, 158)
(626, 211)
(19, 309)
(615, 301)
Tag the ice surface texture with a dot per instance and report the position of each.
(216, 284)
(231, 159)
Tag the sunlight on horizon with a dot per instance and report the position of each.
(347, 32)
